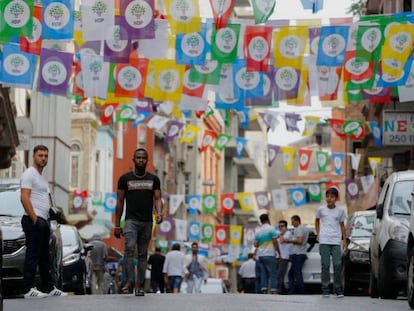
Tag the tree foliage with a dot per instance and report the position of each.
(358, 8)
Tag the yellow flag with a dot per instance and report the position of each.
(310, 125)
(183, 16)
(189, 133)
(303, 88)
(235, 234)
(288, 155)
(168, 80)
(149, 83)
(396, 48)
(373, 162)
(246, 201)
(289, 46)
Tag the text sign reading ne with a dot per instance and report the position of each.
(398, 128)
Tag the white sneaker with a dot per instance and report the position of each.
(57, 292)
(35, 293)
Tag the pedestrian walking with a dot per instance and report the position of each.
(156, 264)
(174, 268)
(298, 256)
(99, 253)
(247, 274)
(141, 192)
(330, 232)
(36, 200)
(267, 247)
(121, 278)
(196, 270)
(283, 260)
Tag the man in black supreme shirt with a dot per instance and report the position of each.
(142, 193)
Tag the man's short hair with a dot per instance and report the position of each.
(176, 247)
(141, 150)
(194, 244)
(40, 148)
(283, 222)
(264, 218)
(295, 217)
(332, 191)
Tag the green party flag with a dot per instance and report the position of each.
(323, 160)
(351, 126)
(209, 203)
(224, 43)
(315, 193)
(16, 18)
(126, 113)
(221, 141)
(207, 233)
(111, 82)
(262, 10)
(209, 73)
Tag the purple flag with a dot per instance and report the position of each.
(352, 188)
(55, 71)
(137, 17)
(291, 120)
(174, 128)
(285, 83)
(272, 151)
(90, 47)
(117, 50)
(165, 228)
(262, 200)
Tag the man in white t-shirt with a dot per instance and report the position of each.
(284, 254)
(35, 199)
(330, 232)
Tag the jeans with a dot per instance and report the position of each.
(137, 233)
(37, 253)
(194, 285)
(257, 284)
(175, 281)
(295, 273)
(281, 272)
(268, 272)
(327, 251)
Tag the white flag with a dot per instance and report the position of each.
(355, 158)
(97, 18)
(95, 75)
(366, 182)
(175, 202)
(157, 122)
(180, 230)
(280, 199)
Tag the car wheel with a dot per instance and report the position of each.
(386, 290)
(410, 281)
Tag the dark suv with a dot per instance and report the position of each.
(14, 241)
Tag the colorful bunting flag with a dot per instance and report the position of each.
(322, 159)
(209, 203)
(304, 158)
(194, 203)
(262, 200)
(222, 10)
(207, 233)
(194, 231)
(227, 203)
(246, 201)
(298, 196)
(110, 202)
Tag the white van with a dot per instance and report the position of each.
(410, 255)
(388, 244)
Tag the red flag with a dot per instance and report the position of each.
(192, 88)
(336, 125)
(220, 234)
(227, 203)
(33, 44)
(221, 12)
(77, 88)
(107, 112)
(359, 133)
(304, 158)
(329, 79)
(208, 138)
(356, 71)
(131, 78)
(257, 46)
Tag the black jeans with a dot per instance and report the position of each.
(37, 253)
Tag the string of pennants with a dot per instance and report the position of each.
(226, 203)
(142, 54)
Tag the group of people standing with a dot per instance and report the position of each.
(264, 271)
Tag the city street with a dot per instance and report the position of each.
(208, 302)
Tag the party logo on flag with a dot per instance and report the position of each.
(207, 233)
(227, 203)
(194, 230)
(16, 13)
(129, 78)
(169, 81)
(298, 196)
(110, 202)
(138, 14)
(56, 15)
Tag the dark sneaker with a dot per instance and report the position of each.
(339, 295)
(139, 292)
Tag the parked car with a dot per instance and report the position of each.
(410, 255)
(14, 246)
(75, 261)
(388, 244)
(355, 258)
(213, 286)
(1, 274)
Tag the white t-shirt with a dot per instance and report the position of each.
(248, 269)
(329, 228)
(39, 195)
(174, 263)
(285, 247)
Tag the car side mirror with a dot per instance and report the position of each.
(380, 210)
(88, 247)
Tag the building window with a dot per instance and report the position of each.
(75, 166)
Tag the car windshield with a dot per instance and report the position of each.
(362, 226)
(69, 238)
(401, 199)
(10, 203)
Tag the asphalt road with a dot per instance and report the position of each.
(205, 302)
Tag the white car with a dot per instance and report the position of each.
(213, 286)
